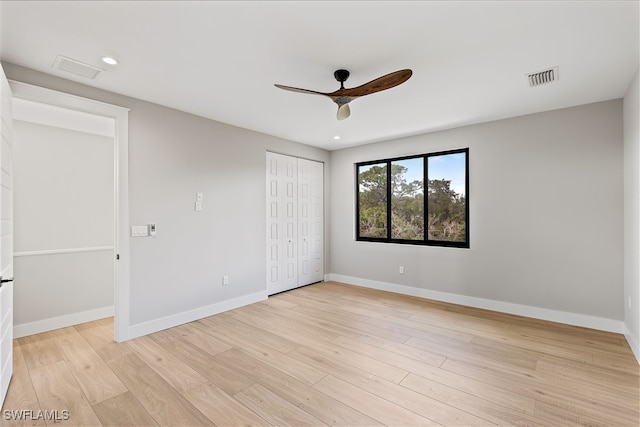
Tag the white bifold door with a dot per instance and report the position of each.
(295, 231)
(6, 236)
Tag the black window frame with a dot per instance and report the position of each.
(426, 241)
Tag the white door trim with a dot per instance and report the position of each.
(121, 164)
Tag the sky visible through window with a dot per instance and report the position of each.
(450, 167)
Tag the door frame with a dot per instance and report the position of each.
(121, 185)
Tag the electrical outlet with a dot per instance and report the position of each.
(225, 280)
(401, 269)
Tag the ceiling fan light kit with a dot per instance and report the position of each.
(343, 96)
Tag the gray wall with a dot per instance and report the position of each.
(632, 214)
(546, 211)
(173, 155)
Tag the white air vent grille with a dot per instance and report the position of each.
(543, 77)
(76, 67)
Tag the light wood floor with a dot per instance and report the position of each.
(331, 354)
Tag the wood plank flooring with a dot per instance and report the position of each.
(329, 354)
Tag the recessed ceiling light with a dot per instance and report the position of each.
(109, 60)
(337, 137)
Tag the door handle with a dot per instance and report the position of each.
(3, 281)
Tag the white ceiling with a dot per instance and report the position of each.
(220, 59)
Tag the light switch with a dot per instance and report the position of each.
(139, 231)
(199, 197)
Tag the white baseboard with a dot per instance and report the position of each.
(45, 325)
(633, 343)
(574, 319)
(156, 325)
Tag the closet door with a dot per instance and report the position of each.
(6, 236)
(288, 241)
(282, 250)
(310, 230)
(317, 217)
(294, 222)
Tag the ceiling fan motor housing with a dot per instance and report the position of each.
(341, 76)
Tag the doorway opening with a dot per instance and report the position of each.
(75, 219)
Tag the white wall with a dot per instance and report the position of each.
(64, 200)
(176, 275)
(1, 13)
(632, 215)
(64, 188)
(545, 219)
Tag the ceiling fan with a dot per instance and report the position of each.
(343, 96)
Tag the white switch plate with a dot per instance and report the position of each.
(198, 206)
(199, 197)
(139, 231)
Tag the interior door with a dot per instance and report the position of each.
(294, 222)
(282, 247)
(304, 222)
(6, 237)
(316, 215)
(288, 221)
(310, 230)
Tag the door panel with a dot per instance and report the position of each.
(304, 200)
(310, 222)
(282, 247)
(289, 221)
(6, 236)
(293, 198)
(273, 239)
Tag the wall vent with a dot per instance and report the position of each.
(543, 77)
(76, 67)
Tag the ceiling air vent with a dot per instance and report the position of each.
(76, 67)
(543, 77)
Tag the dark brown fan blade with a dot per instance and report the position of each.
(297, 89)
(381, 83)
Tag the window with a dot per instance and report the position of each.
(373, 200)
(395, 206)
